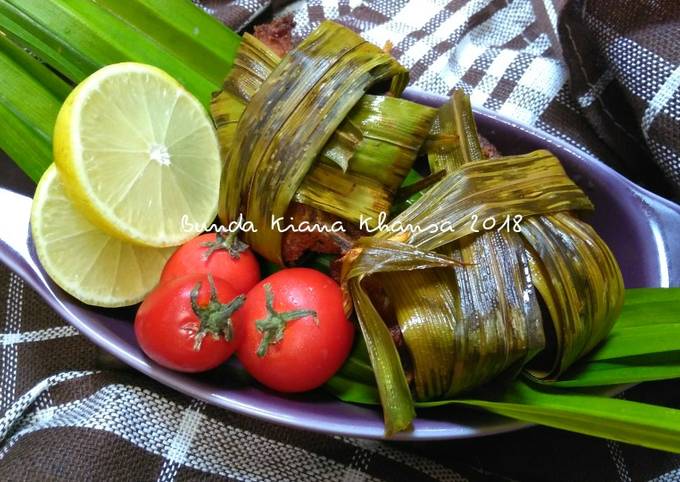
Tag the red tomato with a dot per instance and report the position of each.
(295, 332)
(186, 324)
(218, 255)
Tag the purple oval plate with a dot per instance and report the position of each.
(642, 229)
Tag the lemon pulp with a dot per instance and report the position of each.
(138, 155)
(84, 261)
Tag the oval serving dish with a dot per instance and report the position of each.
(642, 229)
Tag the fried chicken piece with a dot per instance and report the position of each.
(277, 35)
(489, 150)
(295, 243)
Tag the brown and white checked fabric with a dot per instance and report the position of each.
(624, 61)
(600, 73)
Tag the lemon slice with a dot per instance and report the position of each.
(89, 264)
(138, 155)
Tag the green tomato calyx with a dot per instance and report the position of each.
(214, 317)
(229, 243)
(273, 326)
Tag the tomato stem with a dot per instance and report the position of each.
(273, 326)
(229, 243)
(214, 317)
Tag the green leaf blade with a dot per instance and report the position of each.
(29, 103)
(78, 37)
(626, 421)
(634, 369)
(639, 340)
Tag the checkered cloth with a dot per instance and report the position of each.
(602, 74)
